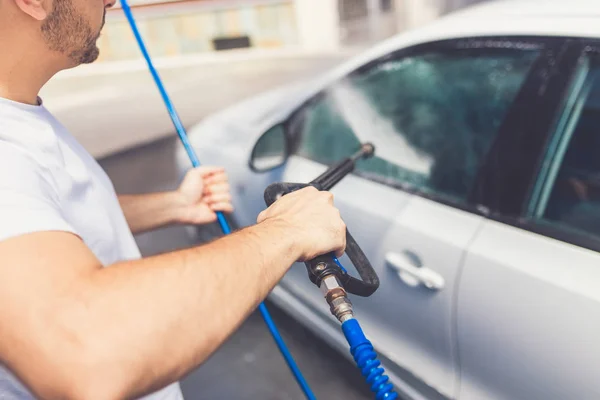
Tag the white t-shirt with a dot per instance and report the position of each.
(48, 182)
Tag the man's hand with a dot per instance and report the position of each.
(310, 217)
(203, 192)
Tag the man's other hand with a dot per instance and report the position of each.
(203, 192)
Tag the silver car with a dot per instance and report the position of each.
(480, 210)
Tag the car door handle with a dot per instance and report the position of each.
(402, 264)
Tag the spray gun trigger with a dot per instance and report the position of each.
(339, 264)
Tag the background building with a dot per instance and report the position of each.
(179, 27)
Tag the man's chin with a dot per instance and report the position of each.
(87, 56)
(91, 57)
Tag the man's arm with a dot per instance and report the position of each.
(203, 191)
(72, 329)
(145, 212)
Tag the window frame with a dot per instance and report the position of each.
(476, 200)
(579, 48)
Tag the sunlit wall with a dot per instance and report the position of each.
(181, 27)
(190, 27)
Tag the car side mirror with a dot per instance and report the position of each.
(270, 151)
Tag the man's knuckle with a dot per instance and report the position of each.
(323, 197)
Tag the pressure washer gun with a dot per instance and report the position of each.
(334, 281)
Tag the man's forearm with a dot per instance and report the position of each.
(122, 331)
(145, 212)
(151, 321)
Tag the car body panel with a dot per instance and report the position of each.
(539, 295)
(417, 331)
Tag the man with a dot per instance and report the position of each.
(71, 328)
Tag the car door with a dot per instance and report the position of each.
(528, 318)
(432, 112)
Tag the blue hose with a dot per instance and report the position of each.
(221, 218)
(366, 359)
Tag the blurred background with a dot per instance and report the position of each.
(212, 54)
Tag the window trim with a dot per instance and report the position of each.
(579, 48)
(558, 144)
(509, 171)
(474, 203)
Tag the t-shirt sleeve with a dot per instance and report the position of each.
(29, 199)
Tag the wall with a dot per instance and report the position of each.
(414, 13)
(176, 27)
(318, 24)
(189, 27)
(364, 22)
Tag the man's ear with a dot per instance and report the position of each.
(37, 9)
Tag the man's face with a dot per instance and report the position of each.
(73, 29)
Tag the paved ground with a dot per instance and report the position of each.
(248, 366)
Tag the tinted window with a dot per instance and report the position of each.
(568, 192)
(432, 117)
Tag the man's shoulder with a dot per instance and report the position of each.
(21, 172)
(29, 189)
(27, 138)
(29, 152)
(30, 129)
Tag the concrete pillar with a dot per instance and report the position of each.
(318, 24)
(414, 13)
(374, 19)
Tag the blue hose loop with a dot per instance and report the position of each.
(366, 359)
(220, 217)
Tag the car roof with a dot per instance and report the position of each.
(496, 18)
(575, 18)
(533, 8)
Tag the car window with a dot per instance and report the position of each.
(567, 194)
(432, 116)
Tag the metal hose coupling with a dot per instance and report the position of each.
(361, 348)
(337, 298)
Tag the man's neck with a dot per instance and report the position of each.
(23, 72)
